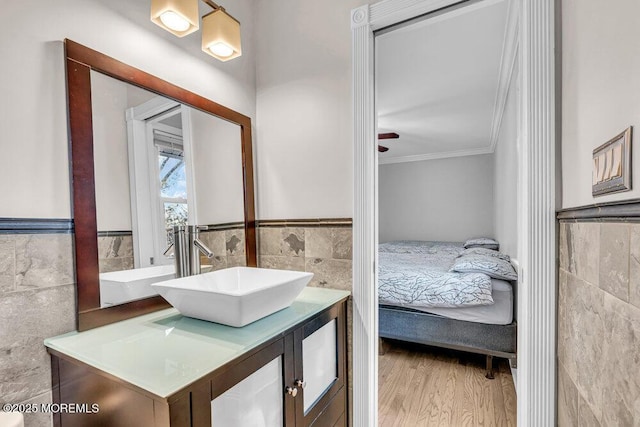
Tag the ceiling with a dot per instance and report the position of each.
(438, 83)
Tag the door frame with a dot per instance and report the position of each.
(536, 385)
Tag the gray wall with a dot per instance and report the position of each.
(304, 129)
(446, 199)
(506, 175)
(599, 287)
(600, 85)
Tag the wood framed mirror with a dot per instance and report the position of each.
(85, 69)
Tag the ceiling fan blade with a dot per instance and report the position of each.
(390, 135)
(382, 149)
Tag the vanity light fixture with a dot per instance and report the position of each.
(179, 17)
(220, 31)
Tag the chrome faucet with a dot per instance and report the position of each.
(187, 248)
(196, 247)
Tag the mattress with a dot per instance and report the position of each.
(417, 274)
(498, 313)
(413, 259)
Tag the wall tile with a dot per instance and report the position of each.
(216, 241)
(214, 263)
(269, 241)
(281, 262)
(562, 336)
(634, 266)
(234, 242)
(318, 242)
(27, 318)
(44, 260)
(586, 250)
(567, 400)
(563, 250)
(569, 323)
(585, 415)
(115, 246)
(614, 259)
(236, 261)
(107, 265)
(40, 419)
(293, 242)
(330, 273)
(572, 232)
(324, 250)
(586, 320)
(621, 378)
(7, 264)
(342, 244)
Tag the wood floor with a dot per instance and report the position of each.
(427, 386)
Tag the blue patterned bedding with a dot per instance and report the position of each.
(416, 274)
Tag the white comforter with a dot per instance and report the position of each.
(415, 274)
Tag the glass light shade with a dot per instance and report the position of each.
(174, 21)
(221, 35)
(221, 49)
(179, 17)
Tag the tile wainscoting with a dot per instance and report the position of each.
(115, 251)
(321, 247)
(37, 285)
(37, 300)
(227, 245)
(599, 317)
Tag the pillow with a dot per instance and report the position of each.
(482, 242)
(484, 252)
(491, 266)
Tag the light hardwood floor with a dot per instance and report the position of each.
(427, 386)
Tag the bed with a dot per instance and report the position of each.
(422, 301)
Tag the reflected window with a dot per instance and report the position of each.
(172, 180)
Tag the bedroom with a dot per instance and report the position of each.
(447, 172)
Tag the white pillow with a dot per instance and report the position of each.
(484, 252)
(482, 242)
(491, 266)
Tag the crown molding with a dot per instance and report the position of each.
(436, 156)
(507, 64)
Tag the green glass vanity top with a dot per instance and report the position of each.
(163, 352)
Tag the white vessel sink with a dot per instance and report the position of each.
(118, 287)
(234, 296)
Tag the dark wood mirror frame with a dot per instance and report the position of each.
(80, 60)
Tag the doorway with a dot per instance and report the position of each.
(535, 204)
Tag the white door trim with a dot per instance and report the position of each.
(536, 207)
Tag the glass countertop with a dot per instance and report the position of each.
(163, 352)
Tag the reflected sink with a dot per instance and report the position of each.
(117, 287)
(234, 296)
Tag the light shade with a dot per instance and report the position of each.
(179, 17)
(221, 35)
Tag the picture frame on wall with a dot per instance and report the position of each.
(612, 165)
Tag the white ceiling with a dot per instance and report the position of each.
(437, 82)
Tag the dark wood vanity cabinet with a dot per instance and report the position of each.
(270, 381)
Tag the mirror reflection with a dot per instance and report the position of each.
(159, 164)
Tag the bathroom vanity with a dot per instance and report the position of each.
(165, 369)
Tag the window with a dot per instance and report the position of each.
(172, 181)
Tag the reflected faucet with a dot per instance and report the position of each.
(187, 248)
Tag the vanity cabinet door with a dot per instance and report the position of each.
(253, 392)
(320, 347)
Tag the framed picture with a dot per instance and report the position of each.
(612, 165)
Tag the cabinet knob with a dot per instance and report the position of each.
(301, 383)
(293, 391)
